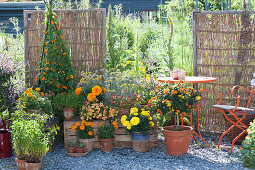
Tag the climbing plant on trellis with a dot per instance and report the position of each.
(56, 73)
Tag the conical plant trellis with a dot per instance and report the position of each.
(55, 73)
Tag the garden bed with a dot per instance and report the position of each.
(122, 140)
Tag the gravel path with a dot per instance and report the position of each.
(199, 156)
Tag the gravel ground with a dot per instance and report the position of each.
(198, 156)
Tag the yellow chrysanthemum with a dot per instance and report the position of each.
(145, 113)
(97, 90)
(150, 118)
(151, 124)
(126, 123)
(91, 97)
(123, 119)
(128, 126)
(37, 89)
(136, 114)
(135, 121)
(133, 110)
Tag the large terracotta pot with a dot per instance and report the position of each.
(177, 142)
(106, 144)
(20, 164)
(68, 113)
(33, 166)
(88, 143)
(5, 144)
(140, 142)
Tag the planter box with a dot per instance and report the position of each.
(122, 140)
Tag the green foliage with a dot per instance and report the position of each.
(71, 144)
(56, 73)
(137, 121)
(106, 131)
(67, 101)
(248, 147)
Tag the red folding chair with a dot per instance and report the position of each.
(227, 110)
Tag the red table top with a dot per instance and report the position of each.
(189, 79)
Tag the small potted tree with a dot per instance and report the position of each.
(176, 102)
(106, 135)
(85, 134)
(68, 103)
(138, 124)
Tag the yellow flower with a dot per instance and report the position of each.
(198, 97)
(145, 113)
(91, 97)
(123, 119)
(96, 90)
(136, 114)
(19, 98)
(150, 118)
(133, 110)
(126, 123)
(78, 91)
(37, 89)
(135, 121)
(128, 126)
(151, 124)
(29, 94)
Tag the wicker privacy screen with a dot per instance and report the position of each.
(224, 47)
(84, 32)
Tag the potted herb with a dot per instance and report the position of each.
(138, 124)
(80, 147)
(178, 101)
(71, 146)
(85, 134)
(18, 139)
(106, 135)
(34, 100)
(68, 103)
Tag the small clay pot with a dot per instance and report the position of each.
(20, 164)
(106, 144)
(68, 113)
(80, 150)
(71, 149)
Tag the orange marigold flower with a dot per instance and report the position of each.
(64, 87)
(100, 124)
(43, 78)
(114, 123)
(58, 28)
(96, 90)
(64, 53)
(46, 43)
(71, 76)
(82, 127)
(67, 78)
(45, 51)
(73, 127)
(90, 133)
(24, 105)
(47, 68)
(116, 127)
(20, 99)
(35, 79)
(38, 89)
(47, 62)
(44, 73)
(178, 85)
(51, 82)
(28, 90)
(181, 81)
(52, 22)
(83, 121)
(202, 90)
(61, 37)
(42, 94)
(104, 89)
(159, 111)
(77, 123)
(78, 91)
(55, 48)
(57, 85)
(91, 97)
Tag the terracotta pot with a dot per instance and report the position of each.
(20, 164)
(68, 113)
(80, 150)
(71, 149)
(106, 144)
(33, 166)
(140, 142)
(177, 142)
(5, 144)
(88, 143)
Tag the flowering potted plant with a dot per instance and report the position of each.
(106, 135)
(138, 124)
(34, 100)
(175, 101)
(68, 102)
(85, 134)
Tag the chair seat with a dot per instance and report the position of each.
(227, 107)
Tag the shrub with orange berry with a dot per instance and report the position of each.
(177, 100)
(34, 100)
(84, 129)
